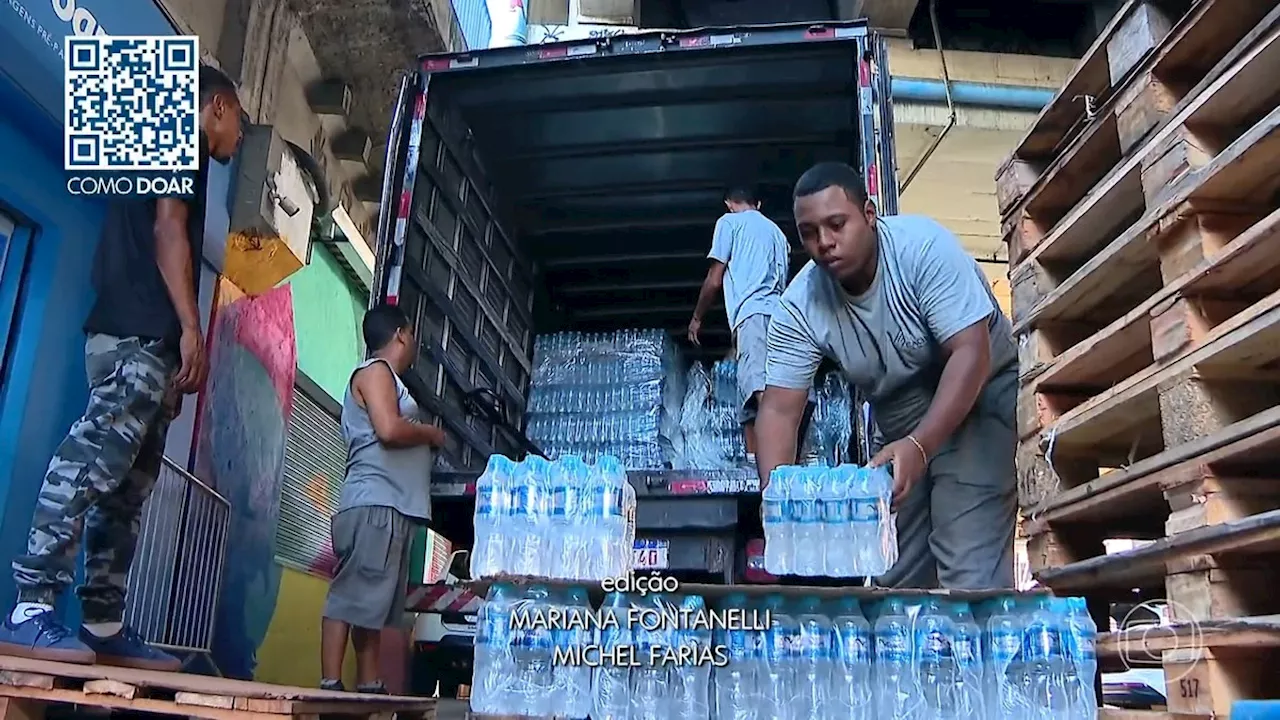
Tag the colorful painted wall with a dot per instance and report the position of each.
(327, 310)
(242, 428)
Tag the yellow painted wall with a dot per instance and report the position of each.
(290, 654)
(997, 275)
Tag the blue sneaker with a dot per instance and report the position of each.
(127, 649)
(43, 637)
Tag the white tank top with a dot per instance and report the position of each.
(377, 475)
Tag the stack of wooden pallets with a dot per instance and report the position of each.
(27, 687)
(1141, 213)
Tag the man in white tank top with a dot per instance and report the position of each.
(386, 493)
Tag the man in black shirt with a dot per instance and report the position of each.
(144, 350)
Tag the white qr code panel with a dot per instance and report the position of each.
(131, 103)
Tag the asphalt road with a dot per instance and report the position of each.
(451, 710)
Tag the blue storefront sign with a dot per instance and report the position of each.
(45, 294)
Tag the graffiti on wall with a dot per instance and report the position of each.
(242, 434)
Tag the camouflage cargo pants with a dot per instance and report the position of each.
(100, 476)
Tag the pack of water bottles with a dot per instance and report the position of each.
(670, 678)
(605, 394)
(924, 659)
(700, 449)
(564, 520)
(518, 634)
(579, 662)
(829, 522)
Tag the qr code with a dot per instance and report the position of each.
(131, 103)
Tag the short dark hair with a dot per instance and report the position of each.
(832, 174)
(380, 325)
(214, 82)
(741, 194)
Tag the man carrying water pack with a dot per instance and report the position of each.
(385, 493)
(749, 260)
(911, 321)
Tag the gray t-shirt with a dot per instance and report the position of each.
(754, 251)
(377, 475)
(888, 340)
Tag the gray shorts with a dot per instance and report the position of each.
(751, 338)
(369, 586)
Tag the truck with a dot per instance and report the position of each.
(575, 185)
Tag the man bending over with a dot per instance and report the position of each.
(911, 321)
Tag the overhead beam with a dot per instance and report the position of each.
(570, 289)
(889, 15)
(590, 260)
(676, 221)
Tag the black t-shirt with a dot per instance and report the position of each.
(132, 298)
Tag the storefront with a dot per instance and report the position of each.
(47, 239)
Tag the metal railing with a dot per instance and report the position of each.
(177, 569)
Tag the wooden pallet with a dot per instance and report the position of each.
(1219, 582)
(28, 686)
(1123, 339)
(1130, 31)
(1217, 566)
(1208, 666)
(1144, 62)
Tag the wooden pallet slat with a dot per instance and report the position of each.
(1034, 197)
(27, 685)
(1064, 113)
(1042, 292)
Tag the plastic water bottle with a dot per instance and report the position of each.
(612, 547)
(691, 680)
(839, 544)
(851, 686)
(650, 680)
(806, 538)
(611, 681)
(1083, 654)
(492, 489)
(862, 523)
(1045, 661)
(1004, 681)
(494, 666)
(527, 512)
(813, 661)
(894, 677)
(573, 681)
(555, 528)
(735, 683)
(532, 655)
(878, 523)
(573, 524)
(934, 660)
(778, 686)
(967, 648)
(777, 521)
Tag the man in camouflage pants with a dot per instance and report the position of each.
(144, 350)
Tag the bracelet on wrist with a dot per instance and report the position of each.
(924, 455)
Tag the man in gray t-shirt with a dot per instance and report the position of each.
(911, 320)
(749, 259)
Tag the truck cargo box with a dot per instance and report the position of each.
(575, 186)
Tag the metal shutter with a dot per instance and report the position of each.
(315, 459)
